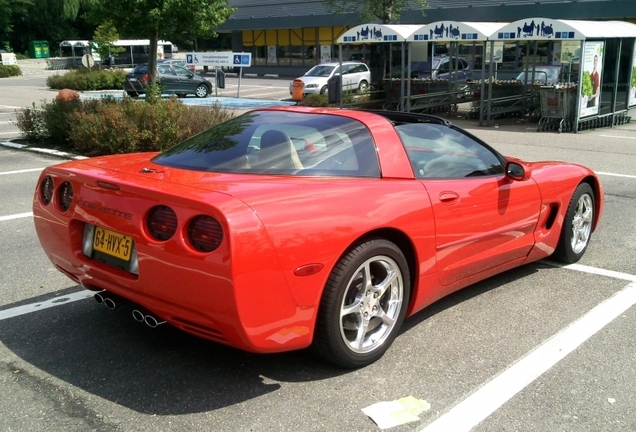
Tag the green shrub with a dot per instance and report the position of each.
(9, 71)
(109, 126)
(88, 79)
(31, 122)
(321, 100)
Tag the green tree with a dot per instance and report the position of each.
(387, 11)
(104, 37)
(10, 11)
(163, 19)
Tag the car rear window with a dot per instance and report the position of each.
(278, 142)
(140, 69)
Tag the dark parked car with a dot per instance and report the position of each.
(443, 67)
(173, 78)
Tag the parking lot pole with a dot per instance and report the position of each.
(238, 89)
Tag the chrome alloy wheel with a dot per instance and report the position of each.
(582, 223)
(371, 304)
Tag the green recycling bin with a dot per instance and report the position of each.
(39, 49)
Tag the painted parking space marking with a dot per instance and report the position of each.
(15, 216)
(618, 136)
(21, 171)
(616, 175)
(492, 395)
(35, 307)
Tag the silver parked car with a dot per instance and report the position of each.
(355, 76)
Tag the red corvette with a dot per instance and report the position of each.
(287, 228)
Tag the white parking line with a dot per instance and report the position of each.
(618, 136)
(615, 175)
(15, 216)
(487, 399)
(34, 307)
(21, 171)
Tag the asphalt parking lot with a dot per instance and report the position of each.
(538, 348)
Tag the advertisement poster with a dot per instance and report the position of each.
(632, 89)
(592, 63)
(570, 50)
(271, 54)
(498, 50)
(325, 53)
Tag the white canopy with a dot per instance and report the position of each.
(74, 43)
(550, 29)
(453, 31)
(367, 33)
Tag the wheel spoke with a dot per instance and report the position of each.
(362, 332)
(386, 283)
(386, 319)
(353, 308)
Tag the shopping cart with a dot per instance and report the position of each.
(558, 105)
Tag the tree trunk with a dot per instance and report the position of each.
(152, 59)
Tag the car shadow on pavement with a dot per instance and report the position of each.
(161, 371)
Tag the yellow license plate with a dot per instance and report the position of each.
(112, 243)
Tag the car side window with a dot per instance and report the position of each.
(439, 151)
(181, 71)
(444, 66)
(164, 69)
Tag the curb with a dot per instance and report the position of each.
(39, 150)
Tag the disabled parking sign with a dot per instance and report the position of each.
(242, 59)
(219, 59)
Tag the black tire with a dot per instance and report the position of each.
(577, 226)
(380, 307)
(323, 90)
(202, 91)
(133, 94)
(363, 86)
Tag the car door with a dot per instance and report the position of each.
(348, 77)
(185, 80)
(167, 79)
(483, 218)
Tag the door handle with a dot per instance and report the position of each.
(448, 198)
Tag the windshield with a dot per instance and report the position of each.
(320, 71)
(547, 75)
(278, 142)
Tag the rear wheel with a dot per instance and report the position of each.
(577, 226)
(201, 91)
(363, 305)
(363, 86)
(132, 94)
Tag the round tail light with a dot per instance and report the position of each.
(46, 190)
(65, 196)
(161, 222)
(205, 233)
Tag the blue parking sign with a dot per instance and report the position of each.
(189, 59)
(241, 59)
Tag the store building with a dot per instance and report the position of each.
(288, 38)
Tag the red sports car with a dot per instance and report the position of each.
(292, 227)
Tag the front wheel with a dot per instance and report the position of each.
(363, 305)
(201, 91)
(323, 90)
(577, 226)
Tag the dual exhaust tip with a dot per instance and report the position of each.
(111, 301)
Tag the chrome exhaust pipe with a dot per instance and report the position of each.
(99, 297)
(138, 315)
(108, 299)
(143, 316)
(152, 321)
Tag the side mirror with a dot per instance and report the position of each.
(516, 171)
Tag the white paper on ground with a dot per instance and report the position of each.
(397, 412)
